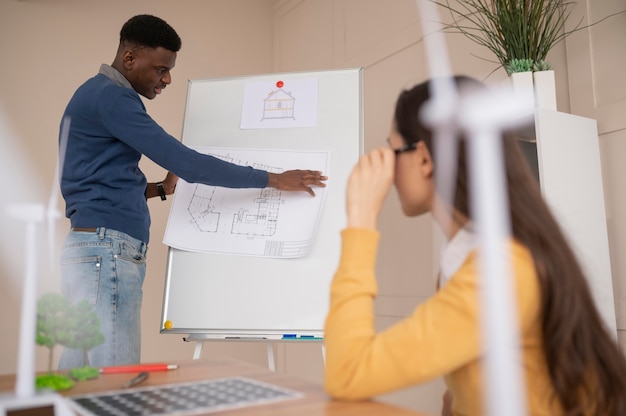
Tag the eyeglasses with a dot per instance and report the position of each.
(405, 148)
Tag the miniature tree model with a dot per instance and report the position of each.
(53, 323)
(53, 328)
(85, 328)
(60, 323)
(85, 336)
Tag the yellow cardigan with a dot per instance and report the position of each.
(440, 338)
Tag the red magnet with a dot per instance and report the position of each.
(280, 84)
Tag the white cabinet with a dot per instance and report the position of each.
(570, 174)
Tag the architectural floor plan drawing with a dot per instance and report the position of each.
(258, 218)
(257, 222)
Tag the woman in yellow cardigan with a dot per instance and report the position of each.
(570, 363)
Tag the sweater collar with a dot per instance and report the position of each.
(115, 76)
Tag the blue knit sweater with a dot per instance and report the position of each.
(101, 180)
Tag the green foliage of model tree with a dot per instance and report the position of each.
(84, 373)
(85, 333)
(52, 381)
(53, 323)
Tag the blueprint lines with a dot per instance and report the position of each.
(255, 222)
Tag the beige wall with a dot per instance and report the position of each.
(49, 48)
(596, 63)
(55, 44)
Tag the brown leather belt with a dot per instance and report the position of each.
(85, 229)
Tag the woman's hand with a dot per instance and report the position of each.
(368, 186)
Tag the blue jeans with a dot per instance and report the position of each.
(107, 268)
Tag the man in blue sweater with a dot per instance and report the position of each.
(103, 259)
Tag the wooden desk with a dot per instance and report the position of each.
(315, 401)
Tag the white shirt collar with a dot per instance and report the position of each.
(455, 252)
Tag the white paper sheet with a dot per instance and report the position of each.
(254, 222)
(285, 103)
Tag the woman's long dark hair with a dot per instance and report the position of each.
(587, 368)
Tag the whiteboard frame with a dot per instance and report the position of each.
(285, 296)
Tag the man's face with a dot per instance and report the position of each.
(149, 70)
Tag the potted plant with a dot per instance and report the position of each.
(511, 29)
(520, 33)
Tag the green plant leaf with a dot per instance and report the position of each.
(510, 29)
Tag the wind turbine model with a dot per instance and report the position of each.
(482, 116)
(25, 396)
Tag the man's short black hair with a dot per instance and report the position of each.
(150, 31)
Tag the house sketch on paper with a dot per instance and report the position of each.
(279, 104)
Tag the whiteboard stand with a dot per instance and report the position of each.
(200, 339)
(197, 352)
(270, 356)
(209, 296)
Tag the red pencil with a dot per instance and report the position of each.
(137, 368)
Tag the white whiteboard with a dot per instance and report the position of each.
(221, 296)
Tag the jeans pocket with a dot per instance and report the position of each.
(129, 252)
(81, 277)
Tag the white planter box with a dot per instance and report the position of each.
(545, 89)
(522, 83)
